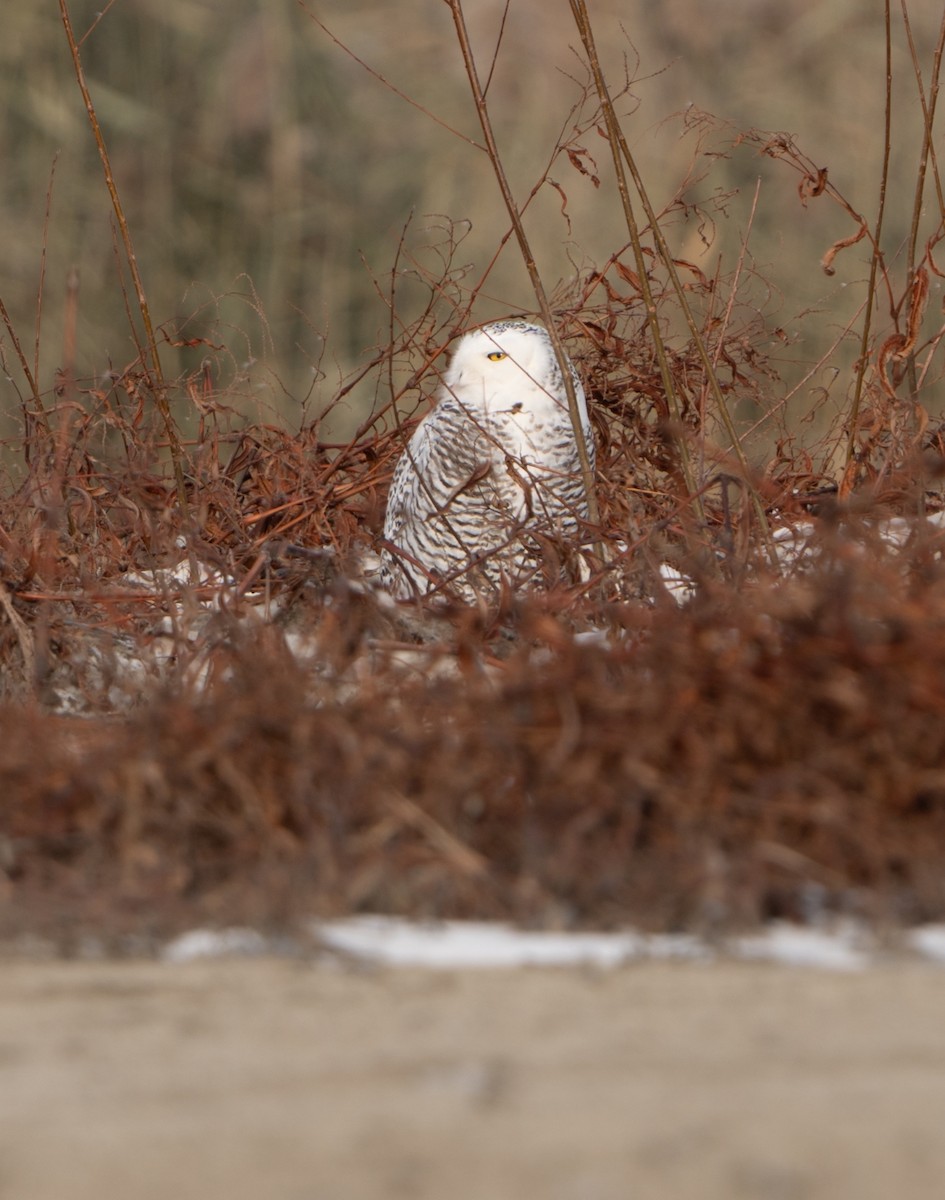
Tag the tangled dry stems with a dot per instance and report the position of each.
(772, 748)
(772, 754)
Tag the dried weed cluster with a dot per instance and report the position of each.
(274, 739)
(773, 752)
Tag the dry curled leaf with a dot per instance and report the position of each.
(918, 300)
(892, 349)
(628, 276)
(576, 158)
(812, 185)
(843, 244)
(564, 201)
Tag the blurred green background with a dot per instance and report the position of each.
(267, 177)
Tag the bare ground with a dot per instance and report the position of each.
(285, 1079)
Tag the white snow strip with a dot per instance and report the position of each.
(211, 943)
(472, 945)
(449, 945)
(929, 941)
(795, 946)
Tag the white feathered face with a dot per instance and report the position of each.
(506, 365)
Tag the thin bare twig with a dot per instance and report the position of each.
(528, 257)
(24, 635)
(926, 153)
(875, 263)
(381, 79)
(39, 414)
(621, 150)
(41, 288)
(159, 388)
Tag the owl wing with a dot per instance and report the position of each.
(446, 456)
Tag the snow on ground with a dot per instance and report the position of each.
(455, 945)
(845, 948)
(928, 941)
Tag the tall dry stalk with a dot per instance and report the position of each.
(622, 156)
(926, 155)
(875, 262)
(156, 377)
(515, 216)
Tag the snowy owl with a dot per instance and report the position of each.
(494, 464)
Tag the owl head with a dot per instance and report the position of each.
(509, 362)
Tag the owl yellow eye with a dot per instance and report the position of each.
(496, 355)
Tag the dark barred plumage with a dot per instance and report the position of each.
(493, 464)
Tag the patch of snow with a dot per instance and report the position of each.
(482, 945)
(211, 943)
(449, 945)
(181, 575)
(593, 637)
(795, 946)
(793, 544)
(798, 547)
(678, 585)
(929, 941)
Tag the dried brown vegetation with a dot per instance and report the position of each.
(774, 753)
(208, 714)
